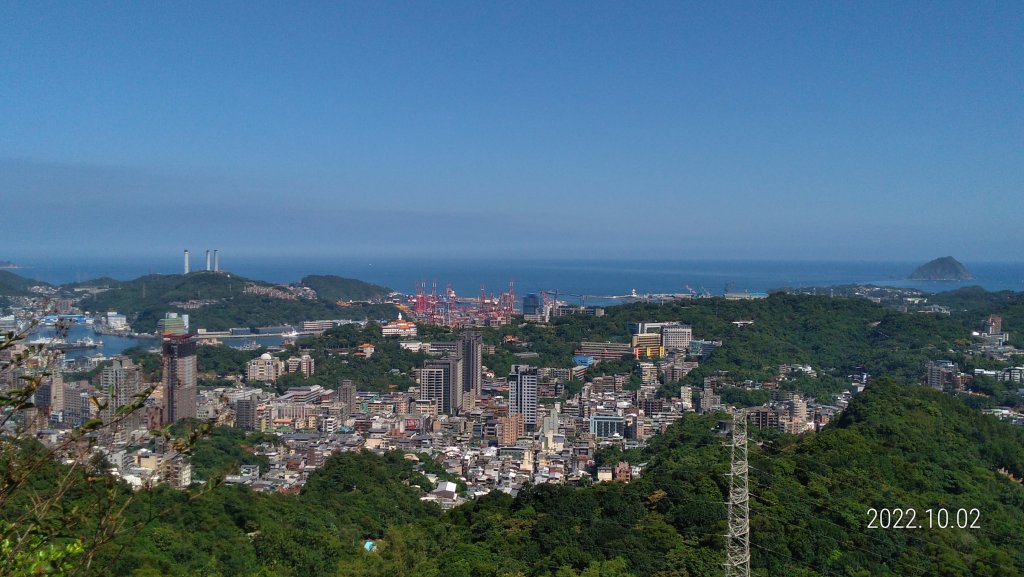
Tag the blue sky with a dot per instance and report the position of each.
(806, 130)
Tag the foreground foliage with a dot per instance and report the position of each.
(896, 446)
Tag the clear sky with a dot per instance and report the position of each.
(774, 130)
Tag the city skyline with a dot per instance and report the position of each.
(743, 131)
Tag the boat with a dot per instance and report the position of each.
(249, 345)
(79, 344)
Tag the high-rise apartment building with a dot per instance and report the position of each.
(245, 413)
(179, 377)
(347, 394)
(522, 394)
(441, 381)
(119, 383)
(472, 361)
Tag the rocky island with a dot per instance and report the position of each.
(946, 268)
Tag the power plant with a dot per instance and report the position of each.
(215, 267)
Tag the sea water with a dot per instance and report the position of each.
(568, 277)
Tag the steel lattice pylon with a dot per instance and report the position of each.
(737, 554)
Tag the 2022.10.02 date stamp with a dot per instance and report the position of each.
(910, 518)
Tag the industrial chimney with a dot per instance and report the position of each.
(186, 261)
(207, 260)
(216, 261)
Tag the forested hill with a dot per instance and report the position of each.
(973, 304)
(896, 447)
(12, 284)
(838, 336)
(222, 299)
(334, 288)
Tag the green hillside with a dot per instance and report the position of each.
(145, 300)
(838, 336)
(334, 288)
(973, 304)
(893, 448)
(897, 446)
(15, 285)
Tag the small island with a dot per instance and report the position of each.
(944, 269)
(7, 264)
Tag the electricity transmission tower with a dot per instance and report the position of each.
(737, 555)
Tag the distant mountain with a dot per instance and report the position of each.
(15, 285)
(945, 268)
(334, 288)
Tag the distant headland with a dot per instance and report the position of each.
(945, 269)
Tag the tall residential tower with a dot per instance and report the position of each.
(522, 395)
(472, 345)
(179, 377)
(441, 382)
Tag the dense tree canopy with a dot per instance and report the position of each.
(894, 447)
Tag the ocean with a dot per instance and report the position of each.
(568, 277)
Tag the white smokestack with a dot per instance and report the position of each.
(186, 261)
(207, 260)
(216, 261)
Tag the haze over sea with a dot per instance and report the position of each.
(590, 277)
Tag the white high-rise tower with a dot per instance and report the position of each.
(522, 394)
